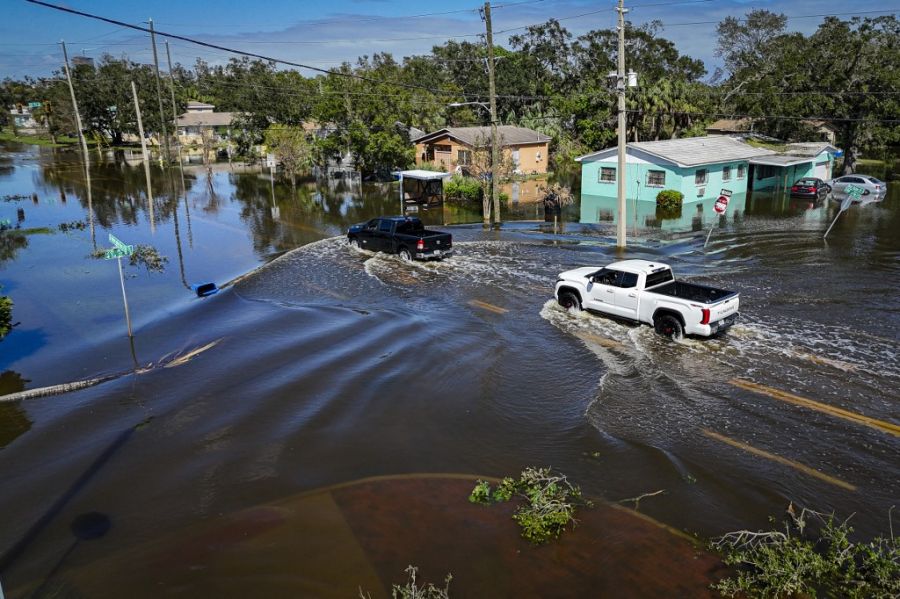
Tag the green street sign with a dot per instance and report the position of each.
(855, 191)
(119, 252)
(117, 242)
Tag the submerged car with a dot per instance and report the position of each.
(870, 185)
(810, 187)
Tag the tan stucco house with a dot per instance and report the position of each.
(451, 148)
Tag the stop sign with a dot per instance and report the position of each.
(721, 204)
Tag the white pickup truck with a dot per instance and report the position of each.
(644, 291)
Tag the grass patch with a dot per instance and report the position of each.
(42, 140)
(812, 554)
(548, 502)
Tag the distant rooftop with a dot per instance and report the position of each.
(481, 136)
(692, 151)
(781, 160)
(205, 119)
(813, 148)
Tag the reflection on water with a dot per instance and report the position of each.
(330, 365)
(14, 421)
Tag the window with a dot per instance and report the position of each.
(607, 174)
(656, 178)
(606, 277)
(464, 157)
(660, 276)
(537, 156)
(372, 224)
(385, 226)
(726, 173)
(629, 280)
(442, 148)
(700, 176)
(741, 172)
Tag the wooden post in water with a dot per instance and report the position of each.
(137, 109)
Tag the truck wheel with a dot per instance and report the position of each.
(404, 254)
(668, 326)
(569, 301)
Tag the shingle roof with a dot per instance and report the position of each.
(481, 136)
(813, 148)
(739, 125)
(205, 119)
(694, 151)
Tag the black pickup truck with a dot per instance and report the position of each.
(402, 235)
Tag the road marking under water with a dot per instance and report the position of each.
(488, 307)
(602, 341)
(881, 425)
(777, 458)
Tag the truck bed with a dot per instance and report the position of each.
(692, 292)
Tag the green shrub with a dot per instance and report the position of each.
(6, 305)
(669, 200)
(813, 554)
(462, 189)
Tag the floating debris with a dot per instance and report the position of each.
(16, 197)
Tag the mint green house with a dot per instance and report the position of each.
(698, 167)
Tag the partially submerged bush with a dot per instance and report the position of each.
(462, 189)
(411, 590)
(548, 503)
(150, 257)
(669, 200)
(6, 305)
(803, 562)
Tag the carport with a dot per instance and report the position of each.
(420, 189)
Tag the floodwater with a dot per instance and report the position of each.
(304, 432)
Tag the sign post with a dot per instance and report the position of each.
(854, 192)
(720, 206)
(117, 253)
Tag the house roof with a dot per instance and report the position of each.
(422, 174)
(781, 160)
(195, 105)
(205, 119)
(692, 151)
(481, 136)
(813, 148)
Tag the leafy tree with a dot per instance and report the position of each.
(292, 149)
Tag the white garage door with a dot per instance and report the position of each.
(822, 170)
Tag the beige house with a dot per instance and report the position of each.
(451, 148)
(202, 119)
(824, 130)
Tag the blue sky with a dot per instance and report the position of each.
(325, 33)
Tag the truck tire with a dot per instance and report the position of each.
(668, 326)
(569, 300)
(405, 255)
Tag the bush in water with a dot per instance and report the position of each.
(669, 200)
(463, 189)
(6, 305)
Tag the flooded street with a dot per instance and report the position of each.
(235, 427)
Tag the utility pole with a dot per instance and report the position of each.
(74, 102)
(137, 109)
(620, 89)
(174, 108)
(495, 142)
(162, 117)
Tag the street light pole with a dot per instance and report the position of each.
(620, 171)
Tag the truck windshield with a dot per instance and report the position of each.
(659, 277)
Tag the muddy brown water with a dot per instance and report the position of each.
(330, 365)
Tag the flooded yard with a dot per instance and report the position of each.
(328, 403)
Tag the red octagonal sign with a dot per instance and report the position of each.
(721, 204)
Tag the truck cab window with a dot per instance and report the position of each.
(606, 277)
(628, 280)
(372, 224)
(385, 226)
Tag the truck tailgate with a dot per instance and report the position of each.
(437, 241)
(724, 308)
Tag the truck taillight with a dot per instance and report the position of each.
(705, 319)
(420, 245)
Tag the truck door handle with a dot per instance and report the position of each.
(632, 295)
(610, 291)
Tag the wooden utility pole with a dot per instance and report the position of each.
(495, 141)
(620, 89)
(74, 102)
(137, 110)
(162, 117)
(174, 107)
